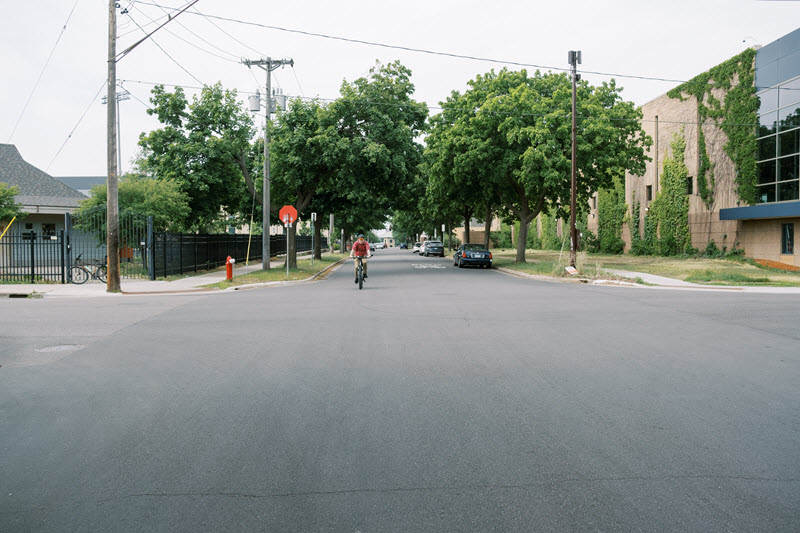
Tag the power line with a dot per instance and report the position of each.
(30, 96)
(448, 54)
(167, 54)
(234, 56)
(195, 11)
(191, 43)
(77, 124)
(548, 114)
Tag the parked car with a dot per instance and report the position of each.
(432, 248)
(403, 246)
(372, 247)
(380, 245)
(472, 254)
(417, 246)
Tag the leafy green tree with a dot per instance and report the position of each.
(305, 156)
(204, 147)
(378, 123)
(163, 200)
(357, 157)
(9, 208)
(514, 130)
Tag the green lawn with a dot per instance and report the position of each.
(304, 270)
(694, 270)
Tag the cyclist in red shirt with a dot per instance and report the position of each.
(360, 249)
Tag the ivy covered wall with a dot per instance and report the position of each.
(726, 96)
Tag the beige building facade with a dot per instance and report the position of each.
(764, 230)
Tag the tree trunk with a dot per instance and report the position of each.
(487, 227)
(317, 241)
(291, 238)
(467, 217)
(522, 238)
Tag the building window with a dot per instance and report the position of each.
(27, 234)
(649, 193)
(689, 185)
(787, 239)
(48, 230)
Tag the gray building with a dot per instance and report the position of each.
(43, 197)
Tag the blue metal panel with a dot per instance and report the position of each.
(776, 210)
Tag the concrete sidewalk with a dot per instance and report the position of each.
(186, 285)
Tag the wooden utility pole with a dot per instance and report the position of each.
(574, 60)
(268, 65)
(112, 205)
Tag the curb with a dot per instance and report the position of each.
(322, 274)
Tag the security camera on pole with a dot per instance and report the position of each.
(268, 65)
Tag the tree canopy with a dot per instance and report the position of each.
(161, 199)
(205, 147)
(9, 208)
(507, 140)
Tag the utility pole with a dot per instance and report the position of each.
(268, 65)
(574, 60)
(112, 198)
(124, 95)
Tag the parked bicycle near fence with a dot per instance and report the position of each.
(81, 272)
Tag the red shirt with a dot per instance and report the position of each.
(360, 249)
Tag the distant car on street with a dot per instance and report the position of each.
(432, 248)
(417, 246)
(472, 254)
(372, 247)
(403, 246)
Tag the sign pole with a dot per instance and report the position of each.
(287, 250)
(313, 250)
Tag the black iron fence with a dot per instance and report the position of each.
(178, 253)
(30, 257)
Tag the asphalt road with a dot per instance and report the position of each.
(436, 400)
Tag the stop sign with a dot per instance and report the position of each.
(288, 214)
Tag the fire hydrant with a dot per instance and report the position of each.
(229, 268)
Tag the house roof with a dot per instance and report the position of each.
(82, 183)
(36, 187)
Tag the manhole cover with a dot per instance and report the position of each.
(60, 348)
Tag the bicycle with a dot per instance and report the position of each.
(80, 272)
(360, 274)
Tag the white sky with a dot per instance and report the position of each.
(676, 39)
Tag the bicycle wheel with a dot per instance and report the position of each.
(101, 274)
(360, 276)
(78, 275)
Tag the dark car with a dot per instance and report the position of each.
(433, 248)
(403, 246)
(472, 254)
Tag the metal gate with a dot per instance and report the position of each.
(30, 257)
(86, 241)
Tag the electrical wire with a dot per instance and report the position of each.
(549, 114)
(234, 56)
(105, 83)
(196, 12)
(167, 54)
(449, 54)
(46, 63)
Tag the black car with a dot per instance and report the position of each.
(472, 254)
(403, 246)
(433, 248)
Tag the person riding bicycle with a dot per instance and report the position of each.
(360, 249)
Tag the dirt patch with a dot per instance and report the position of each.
(776, 264)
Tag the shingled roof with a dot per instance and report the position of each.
(36, 187)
